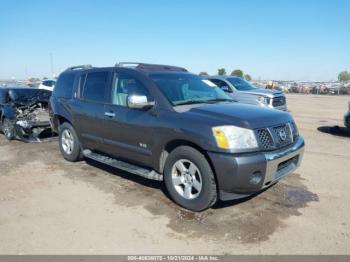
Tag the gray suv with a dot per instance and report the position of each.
(164, 123)
(244, 92)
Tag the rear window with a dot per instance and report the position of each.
(64, 86)
(95, 86)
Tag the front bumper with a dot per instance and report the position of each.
(234, 172)
(29, 131)
(347, 120)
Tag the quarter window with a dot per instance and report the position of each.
(64, 86)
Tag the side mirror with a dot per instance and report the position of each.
(139, 102)
(226, 89)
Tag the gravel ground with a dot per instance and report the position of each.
(50, 206)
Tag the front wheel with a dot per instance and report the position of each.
(8, 129)
(189, 179)
(69, 143)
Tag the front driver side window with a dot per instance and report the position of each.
(124, 86)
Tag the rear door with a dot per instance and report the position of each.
(89, 107)
(129, 132)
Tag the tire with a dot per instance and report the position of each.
(69, 143)
(186, 167)
(8, 129)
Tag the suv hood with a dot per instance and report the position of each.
(242, 115)
(266, 92)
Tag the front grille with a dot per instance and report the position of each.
(278, 101)
(265, 139)
(276, 137)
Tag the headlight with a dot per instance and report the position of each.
(263, 100)
(232, 137)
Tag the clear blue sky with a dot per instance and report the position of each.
(270, 39)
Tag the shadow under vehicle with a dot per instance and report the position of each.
(24, 113)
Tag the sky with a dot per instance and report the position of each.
(270, 39)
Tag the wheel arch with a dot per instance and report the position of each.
(171, 145)
(58, 120)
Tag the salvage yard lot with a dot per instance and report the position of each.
(50, 206)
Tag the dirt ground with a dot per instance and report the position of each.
(50, 206)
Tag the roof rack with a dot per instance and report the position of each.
(79, 67)
(155, 67)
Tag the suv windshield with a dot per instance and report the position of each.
(240, 84)
(183, 89)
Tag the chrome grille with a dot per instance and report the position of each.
(276, 137)
(278, 101)
(265, 139)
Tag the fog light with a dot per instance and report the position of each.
(255, 178)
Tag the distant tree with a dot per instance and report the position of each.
(238, 73)
(248, 77)
(344, 76)
(221, 71)
(45, 78)
(203, 74)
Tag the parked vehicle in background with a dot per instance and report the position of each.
(163, 123)
(47, 84)
(245, 92)
(347, 117)
(24, 113)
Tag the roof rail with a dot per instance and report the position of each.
(121, 64)
(79, 67)
(145, 66)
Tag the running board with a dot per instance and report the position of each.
(150, 174)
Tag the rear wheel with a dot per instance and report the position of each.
(69, 143)
(189, 179)
(9, 129)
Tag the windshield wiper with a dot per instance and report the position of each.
(214, 100)
(209, 101)
(189, 102)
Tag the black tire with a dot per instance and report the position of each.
(207, 196)
(75, 154)
(8, 129)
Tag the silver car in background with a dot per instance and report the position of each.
(245, 92)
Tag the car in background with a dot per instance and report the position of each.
(24, 113)
(47, 84)
(347, 117)
(245, 92)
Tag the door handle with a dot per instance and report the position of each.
(110, 114)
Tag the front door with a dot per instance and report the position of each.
(129, 132)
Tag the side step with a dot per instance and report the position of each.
(150, 174)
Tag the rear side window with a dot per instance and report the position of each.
(95, 86)
(64, 86)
